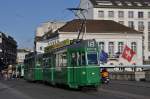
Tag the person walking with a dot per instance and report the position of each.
(9, 72)
(1, 68)
(5, 74)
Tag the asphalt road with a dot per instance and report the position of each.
(20, 89)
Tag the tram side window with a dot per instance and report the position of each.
(81, 59)
(58, 62)
(40, 61)
(32, 63)
(64, 59)
(61, 60)
(46, 62)
(74, 59)
(49, 62)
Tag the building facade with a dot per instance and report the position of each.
(21, 55)
(8, 49)
(111, 37)
(43, 30)
(132, 13)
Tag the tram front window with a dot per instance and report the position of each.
(92, 58)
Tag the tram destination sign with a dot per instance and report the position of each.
(58, 45)
(91, 49)
(91, 45)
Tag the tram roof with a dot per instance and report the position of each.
(75, 44)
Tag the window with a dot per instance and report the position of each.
(119, 3)
(81, 58)
(92, 58)
(74, 59)
(140, 15)
(149, 41)
(148, 14)
(101, 14)
(46, 62)
(148, 26)
(104, 3)
(138, 3)
(128, 3)
(131, 24)
(130, 14)
(58, 62)
(141, 26)
(111, 14)
(78, 59)
(121, 22)
(41, 48)
(101, 46)
(134, 46)
(111, 49)
(147, 3)
(64, 59)
(61, 60)
(120, 47)
(120, 14)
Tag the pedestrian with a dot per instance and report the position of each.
(0, 73)
(9, 72)
(1, 68)
(17, 75)
(13, 74)
(5, 74)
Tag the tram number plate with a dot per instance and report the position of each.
(91, 44)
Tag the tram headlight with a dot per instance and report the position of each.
(83, 72)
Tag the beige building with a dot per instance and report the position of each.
(132, 13)
(111, 37)
(21, 55)
(47, 27)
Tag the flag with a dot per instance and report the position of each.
(103, 56)
(128, 53)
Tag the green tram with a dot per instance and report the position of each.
(74, 65)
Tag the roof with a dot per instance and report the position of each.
(38, 38)
(23, 50)
(97, 26)
(121, 3)
(48, 35)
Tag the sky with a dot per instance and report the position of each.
(20, 18)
